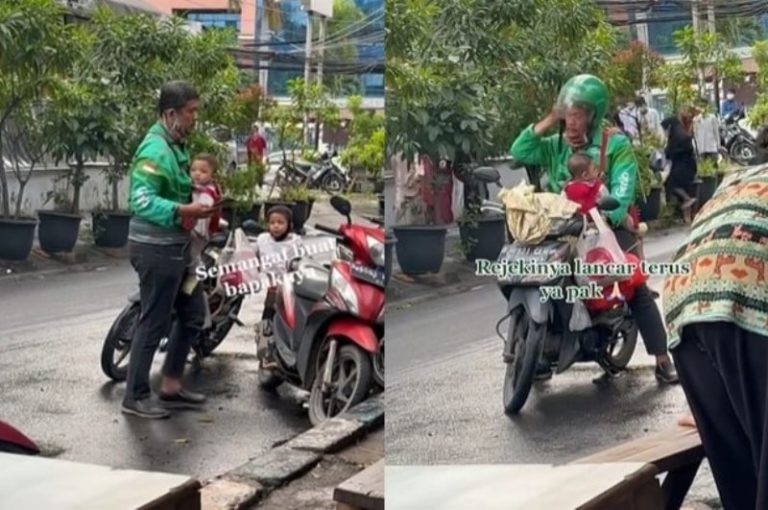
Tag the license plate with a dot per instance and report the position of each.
(375, 276)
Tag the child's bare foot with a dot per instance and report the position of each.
(687, 421)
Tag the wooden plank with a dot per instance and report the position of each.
(365, 490)
(638, 491)
(668, 450)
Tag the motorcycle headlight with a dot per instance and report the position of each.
(376, 250)
(344, 289)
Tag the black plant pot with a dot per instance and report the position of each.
(651, 208)
(309, 209)
(707, 189)
(389, 245)
(110, 228)
(382, 204)
(300, 214)
(17, 237)
(235, 218)
(484, 238)
(420, 248)
(58, 231)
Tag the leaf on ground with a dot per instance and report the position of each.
(182, 441)
(206, 419)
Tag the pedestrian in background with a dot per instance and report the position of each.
(159, 247)
(257, 149)
(680, 152)
(706, 129)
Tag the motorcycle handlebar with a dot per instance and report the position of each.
(327, 230)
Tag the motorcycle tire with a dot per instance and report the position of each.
(119, 340)
(528, 341)
(333, 183)
(347, 354)
(619, 359)
(743, 152)
(378, 365)
(213, 338)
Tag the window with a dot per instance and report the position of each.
(215, 19)
(660, 33)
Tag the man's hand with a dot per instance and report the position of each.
(195, 210)
(547, 122)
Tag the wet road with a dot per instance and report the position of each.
(444, 382)
(53, 389)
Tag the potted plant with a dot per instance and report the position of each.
(708, 175)
(389, 246)
(30, 140)
(299, 198)
(243, 187)
(649, 187)
(482, 236)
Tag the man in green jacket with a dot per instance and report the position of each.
(160, 197)
(579, 113)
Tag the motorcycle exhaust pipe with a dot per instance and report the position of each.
(328, 373)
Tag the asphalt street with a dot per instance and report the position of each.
(51, 333)
(444, 385)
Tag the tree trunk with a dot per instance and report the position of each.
(19, 198)
(77, 184)
(115, 201)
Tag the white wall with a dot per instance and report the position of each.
(92, 194)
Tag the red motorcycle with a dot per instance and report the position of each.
(329, 327)
(13, 441)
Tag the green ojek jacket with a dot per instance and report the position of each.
(552, 153)
(160, 182)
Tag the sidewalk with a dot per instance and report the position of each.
(458, 275)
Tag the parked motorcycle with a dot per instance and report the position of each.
(329, 327)
(538, 333)
(13, 441)
(327, 174)
(736, 143)
(223, 309)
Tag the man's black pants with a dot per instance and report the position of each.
(161, 271)
(724, 372)
(643, 307)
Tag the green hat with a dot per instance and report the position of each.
(586, 90)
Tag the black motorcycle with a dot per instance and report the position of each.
(223, 309)
(736, 143)
(326, 174)
(539, 334)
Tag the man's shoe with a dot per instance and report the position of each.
(543, 372)
(144, 409)
(182, 397)
(666, 373)
(266, 328)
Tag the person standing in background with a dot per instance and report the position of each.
(257, 147)
(630, 121)
(650, 120)
(706, 129)
(729, 105)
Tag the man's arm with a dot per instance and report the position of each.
(623, 179)
(147, 179)
(530, 147)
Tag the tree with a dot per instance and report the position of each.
(342, 47)
(758, 115)
(313, 101)
(365, 149)
(34, 47)
(631, 70)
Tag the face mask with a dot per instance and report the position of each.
(644, 110)
(172, 123)
(730, 97)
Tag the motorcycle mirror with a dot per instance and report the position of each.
(251, 228)
(608, 204)
(486, 174)
(341, 205)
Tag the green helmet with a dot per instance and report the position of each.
(586, 90)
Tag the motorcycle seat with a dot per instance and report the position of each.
(567, 228)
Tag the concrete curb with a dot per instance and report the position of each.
(246, 485)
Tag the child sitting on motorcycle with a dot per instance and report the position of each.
(586, 188)
(277, 248)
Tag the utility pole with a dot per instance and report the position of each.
(261, 37)
(713, 29)
(307, 68)
(321, 57)
(696, 33)
(642, 36)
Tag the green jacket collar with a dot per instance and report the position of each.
(179, 149)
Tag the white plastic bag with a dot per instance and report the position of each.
(580, 319)
(597, 246)
(238, 263)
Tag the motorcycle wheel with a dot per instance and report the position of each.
(6, 447)
(619, 352)
(350, 382)
(333, 183)
(743, 152)
(118, 341)
(527, 338)
(378, 365)
(213, 337)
